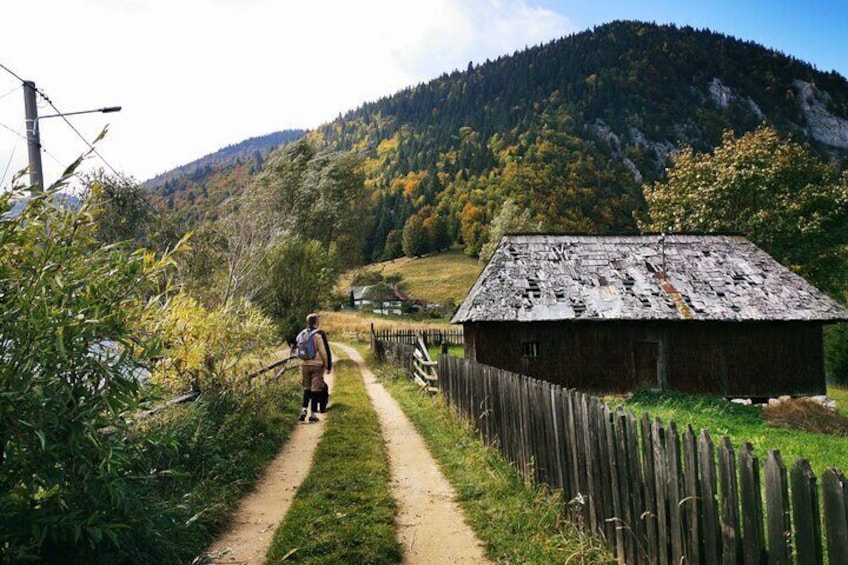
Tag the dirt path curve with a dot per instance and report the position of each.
(249, 536)
(431, 527)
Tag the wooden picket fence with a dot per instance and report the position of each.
(657, 494)
(410, 337)
(396, 352)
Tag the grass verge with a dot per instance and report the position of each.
(517, 521)
(343, 511)
(742, 424)
(213, 451)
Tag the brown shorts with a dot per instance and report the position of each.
(312, 377)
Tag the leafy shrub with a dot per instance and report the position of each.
(80, 483)
(202, 347)
(69, 482)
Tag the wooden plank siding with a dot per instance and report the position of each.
(753, 359)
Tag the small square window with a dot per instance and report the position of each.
(529, 348)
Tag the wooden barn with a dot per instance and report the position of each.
(696, 313)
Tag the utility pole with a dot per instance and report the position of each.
(36, 176)
(36, 173)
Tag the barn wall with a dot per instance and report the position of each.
(586, 356)
(777, 359)
(726, 359)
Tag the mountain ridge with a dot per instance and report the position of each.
(570, 129)
(229, 154)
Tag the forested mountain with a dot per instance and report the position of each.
(213, 177)
(566, 132)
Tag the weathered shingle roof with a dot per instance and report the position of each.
(675, 277)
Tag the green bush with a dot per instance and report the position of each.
(69, 480)
(80, 482)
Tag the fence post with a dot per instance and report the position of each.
(675, 489)
(711, 524)
(616, 517)
(559, 407)
(602, 470)
(590, 454)
(805, 514)
(753, 539)
(650, 513)
(731, 544)
(636, 479)
(777, 505)
(627, 524)
(835, 515)
(692, 500)
(661, 482)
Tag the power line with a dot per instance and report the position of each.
(22, 136)
(11, 72)
(8, 164)
(19, 134)
(10, 92)
(64, 118)
(76, 131)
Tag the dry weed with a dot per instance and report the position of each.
(806, 414)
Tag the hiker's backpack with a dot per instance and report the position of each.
(305, 344)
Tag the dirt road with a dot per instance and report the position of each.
(256, 519)
(431, 527)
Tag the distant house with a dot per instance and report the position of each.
(710, 314)
(380, 299)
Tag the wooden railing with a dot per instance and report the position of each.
(657, 494)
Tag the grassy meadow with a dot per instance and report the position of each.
(747, 424)
(441, 278)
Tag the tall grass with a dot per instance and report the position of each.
(216, 449)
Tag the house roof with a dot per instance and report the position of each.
(377, 292)
(645, 277)
(359, 292)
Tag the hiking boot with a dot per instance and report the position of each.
(313, 418)
(302, 416)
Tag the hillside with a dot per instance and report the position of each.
(443, 278)
(205, 183)
(568, 131)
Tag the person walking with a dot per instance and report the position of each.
(313, 350)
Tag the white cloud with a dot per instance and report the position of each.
(196, 75)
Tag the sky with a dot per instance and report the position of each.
(193, 76)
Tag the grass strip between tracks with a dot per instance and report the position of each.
(343, 511)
